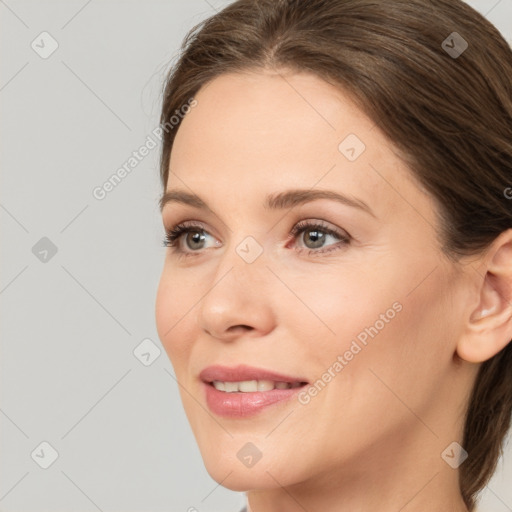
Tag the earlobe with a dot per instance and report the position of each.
(489, 326)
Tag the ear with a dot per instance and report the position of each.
(488, 327)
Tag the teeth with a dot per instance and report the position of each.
(230, 387)
(245, 386)
(265, 385)
(250, 386)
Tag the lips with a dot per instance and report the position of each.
(244, 391)
(245, 373)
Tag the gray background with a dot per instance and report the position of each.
(71, 323)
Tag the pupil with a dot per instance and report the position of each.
(197, 237)
(317, 237)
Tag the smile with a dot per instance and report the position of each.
(251, 386)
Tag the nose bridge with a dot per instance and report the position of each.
(245, 265)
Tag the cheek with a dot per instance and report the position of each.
(173, 301)
(402, 362)
(376, 324)
(338, 305)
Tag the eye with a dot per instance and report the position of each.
(192, 233)
(315, 234)
(194, 236)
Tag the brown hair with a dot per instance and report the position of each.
(449, 116)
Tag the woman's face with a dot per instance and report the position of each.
(361, 308)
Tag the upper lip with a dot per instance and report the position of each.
(243, 372)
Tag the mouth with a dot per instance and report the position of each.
(252, 386)
(248, 379)
(243, 391)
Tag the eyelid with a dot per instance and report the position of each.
(312, 223)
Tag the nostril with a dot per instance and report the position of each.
(240, 326)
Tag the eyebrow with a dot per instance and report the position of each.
(279, 201)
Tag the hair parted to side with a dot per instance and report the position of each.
(449, 118)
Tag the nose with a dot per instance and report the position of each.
(238, 299)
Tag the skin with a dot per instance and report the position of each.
(372, 438)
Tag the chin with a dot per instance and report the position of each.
(243, 479)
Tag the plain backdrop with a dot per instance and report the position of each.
(86, 388)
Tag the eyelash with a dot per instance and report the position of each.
(172, 236)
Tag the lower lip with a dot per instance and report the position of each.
(242, 405)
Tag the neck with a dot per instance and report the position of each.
(422, 495)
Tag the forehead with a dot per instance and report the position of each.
(256, 132)
(270, 112)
